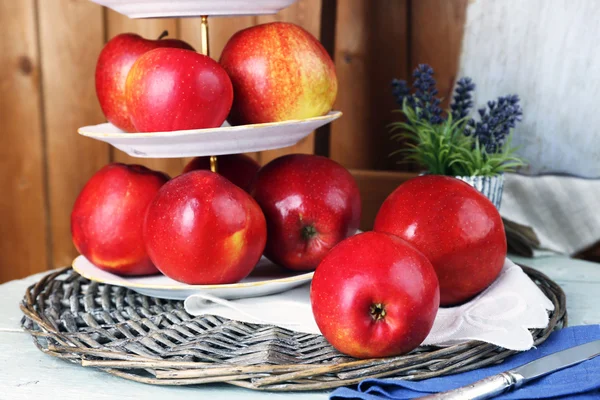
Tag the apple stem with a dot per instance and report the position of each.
(165, 33)
(377, 311)
(308, 232)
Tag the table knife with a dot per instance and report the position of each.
(515, 378)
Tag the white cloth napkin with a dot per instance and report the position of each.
(550, 213)
(501, 315)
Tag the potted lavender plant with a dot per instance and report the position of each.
(477, 151)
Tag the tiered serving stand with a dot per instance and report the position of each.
(151, 340)
(203, 142)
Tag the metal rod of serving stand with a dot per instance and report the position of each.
(204, 50)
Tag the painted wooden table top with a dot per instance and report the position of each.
(27, 373)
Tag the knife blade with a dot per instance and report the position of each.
(513, 379)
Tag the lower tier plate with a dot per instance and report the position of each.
(266, 278)
(209, 142)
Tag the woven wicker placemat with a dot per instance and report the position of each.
(155, 341)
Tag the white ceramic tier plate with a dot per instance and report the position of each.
(209, 142)
(267, 278)
(193, 8)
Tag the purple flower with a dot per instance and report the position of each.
(462, 101)
(423, 100)
(495, 122)
(425, 94)
(401, 91)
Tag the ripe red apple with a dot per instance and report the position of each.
(457, 228)
(279, 72)
(114, 63)
(238, 168)
(311, 203)
(202, 229)
(375, 295)
(108, 215)
(174, 89)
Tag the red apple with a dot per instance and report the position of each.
(175, 89)
(311, 203)
(114, 63)
(202, 229)
(238, 168)
(108, 215)
(455, 226)
(279, 72)
(374, 295)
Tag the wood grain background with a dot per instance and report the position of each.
(47, 92)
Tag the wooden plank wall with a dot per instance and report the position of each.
(47, 92)
(371, 48)
(23, 199)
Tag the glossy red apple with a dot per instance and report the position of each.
(311, 203)
(202, 229)
(279, 72)
(240, 169)
(174, 89)
(108, 215)
(114, 63)
(375, 295)
(455, 226)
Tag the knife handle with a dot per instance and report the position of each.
(484, 389)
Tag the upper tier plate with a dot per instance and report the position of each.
(266, 278)
(193, 8)
(209, 142)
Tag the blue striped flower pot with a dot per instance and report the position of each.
(490, 186)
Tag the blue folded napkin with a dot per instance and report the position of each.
(579, 382)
